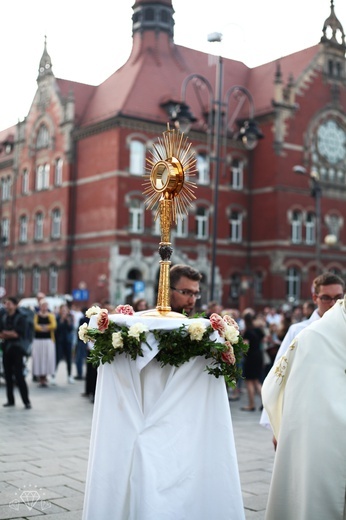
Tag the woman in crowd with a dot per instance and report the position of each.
(43, 348)
(64, 338)
(253, 361)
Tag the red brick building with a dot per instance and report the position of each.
(72, 205)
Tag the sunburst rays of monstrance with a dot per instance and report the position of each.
(169, 192)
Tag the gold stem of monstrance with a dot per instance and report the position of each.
(171, 193)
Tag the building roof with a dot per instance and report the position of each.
(155, 73)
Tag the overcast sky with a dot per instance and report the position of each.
(88, 41)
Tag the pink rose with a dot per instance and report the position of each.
(218, 323)
(102, 320)
(124, 309)
(230, 321)
(228, 355)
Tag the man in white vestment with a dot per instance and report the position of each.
(327, 288)
(304, 395)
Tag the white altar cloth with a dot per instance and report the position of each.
(162, 445)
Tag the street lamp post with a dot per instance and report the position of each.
(316, 193)
(217, 158)
(248, 133)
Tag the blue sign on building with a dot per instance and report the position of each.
(80, 295)
(138, 286)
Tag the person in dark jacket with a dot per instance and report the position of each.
(12, 327)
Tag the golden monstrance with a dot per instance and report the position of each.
(169, 190)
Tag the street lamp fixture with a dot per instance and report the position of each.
(316, 193)
(180, 115)
(249, 134)
(219, 126)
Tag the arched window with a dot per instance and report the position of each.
(137, 157)
(53, 279)
(42, 140)
(236, 226)
(58, 172)
(237, 176)
(235, 282)
(39, 177)
(46, 177)
(38, 229)
(296, 227)
(258, 285)
(5, 231)
(181, 230)
(293, 281)
(23, 229)
(42, 177)
(6, 188)
(56, 223)
(202, 227)
(25, 182)
(310, 228)
(136, 216)
(20, 281)
(202, 166)
(36, 279)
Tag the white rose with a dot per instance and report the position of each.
(232, 334)
(117, 340)
(83, 333)
(92, 310)
(136, 329)
(196, 331)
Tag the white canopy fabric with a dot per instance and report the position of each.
(162, 445)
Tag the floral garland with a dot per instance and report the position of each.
(175, 346)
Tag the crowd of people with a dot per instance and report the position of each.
(56, 340)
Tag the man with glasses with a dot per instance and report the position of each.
(185, 290)
(327, 289)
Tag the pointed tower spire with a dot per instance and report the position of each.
(333, 32)
(45, 67)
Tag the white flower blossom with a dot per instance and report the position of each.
(196, 331)
(136, 329)
(83, 333)
(232, 334)
(117, 340)
(92, 310)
